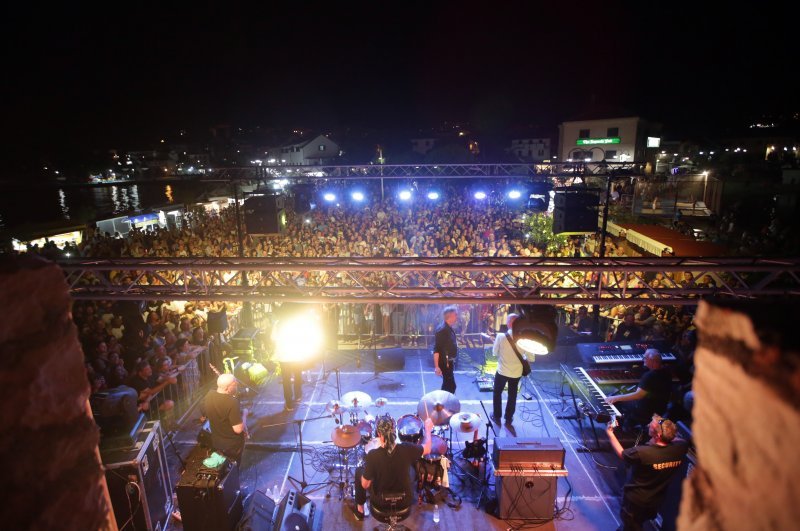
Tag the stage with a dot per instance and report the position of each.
(272, 455)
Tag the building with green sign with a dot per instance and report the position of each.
(610, 139)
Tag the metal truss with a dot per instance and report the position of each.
(417, 280)
(450, 171)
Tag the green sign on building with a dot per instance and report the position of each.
(597, 141)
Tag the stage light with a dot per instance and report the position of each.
(535, 330)
(357, 196)
(433, 196)
(514, 194)
(405, 195)
(329, 197)
(298, 337)
(480, 195)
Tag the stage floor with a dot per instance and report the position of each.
(590, 495)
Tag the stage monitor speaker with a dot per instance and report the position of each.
(526, 497)
(139, 483)
(303, 196)
(575, 212)
(265, 214)
(259, 513)
(388, 360)
(295, 513)
(210, 499)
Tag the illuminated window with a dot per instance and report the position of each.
(322, 147)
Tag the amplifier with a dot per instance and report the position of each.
(528, 453)
(209, 499)
(138, 481)
(526, 497)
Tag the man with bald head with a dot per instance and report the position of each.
(228, 421)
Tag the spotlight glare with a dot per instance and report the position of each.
(433, 196)
(357, 196)
(299, 338)
(514, 194)
(329, 197)
(405, 195)
(480, 195)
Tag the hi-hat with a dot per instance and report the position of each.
(346, 436)
(381, 401)
(336, 407)
(439, 406)
(356, 399)
(466, 422)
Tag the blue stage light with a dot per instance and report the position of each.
(480, 195)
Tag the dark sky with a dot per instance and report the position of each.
(125, 76)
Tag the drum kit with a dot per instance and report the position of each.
(356, 439)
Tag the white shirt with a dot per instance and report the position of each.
(508, 364)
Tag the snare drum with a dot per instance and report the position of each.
(438, 449)
(430, 469)
(409, 429)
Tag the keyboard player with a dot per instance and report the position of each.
(651, 396)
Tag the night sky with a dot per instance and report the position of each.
(114, 77)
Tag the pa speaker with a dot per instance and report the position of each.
(575, 212)
(265, 214)
(303, 194)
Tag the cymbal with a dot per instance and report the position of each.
(336, 407)
(356, 398)
(439, 406)
(466, 422)
(346, 436)
(381, 401)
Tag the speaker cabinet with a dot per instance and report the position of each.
(259, 513)
(138, 481)
(575, 212)
(526, 497)
(265, 214)
(210, 499)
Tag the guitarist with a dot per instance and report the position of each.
(509, 371)
(228, 422)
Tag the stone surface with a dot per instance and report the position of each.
(48, 441)
(746, 422)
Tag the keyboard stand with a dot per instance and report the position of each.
(579, 417)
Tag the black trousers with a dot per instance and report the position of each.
(448, 380)
(634, 517)
(361, 494)
(500, 382)
(289, 370)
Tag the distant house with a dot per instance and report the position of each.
(530, 149)
(305, 152)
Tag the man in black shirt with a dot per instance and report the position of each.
(387, 469)
(445, 350)
(628, 330)
(228, 423)
(651, 395)
(148, 387)
(652, 467)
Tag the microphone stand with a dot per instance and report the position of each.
(302, 483)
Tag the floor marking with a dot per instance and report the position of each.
(580, 461)
(302, 425)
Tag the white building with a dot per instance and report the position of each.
(305, 152)
(530, 149)
(630, 139)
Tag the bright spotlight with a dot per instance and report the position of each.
(480, 195)
(514, 194)
(357, 196)
(535, 330)
(329, 197)
(433, 196)
(298, 338)
(405, 195)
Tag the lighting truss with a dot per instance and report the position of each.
(417, 280)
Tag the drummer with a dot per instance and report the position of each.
(387, 468)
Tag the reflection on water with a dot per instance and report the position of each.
(123, 199)
(168, 193)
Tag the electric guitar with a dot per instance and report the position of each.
(245, 411)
